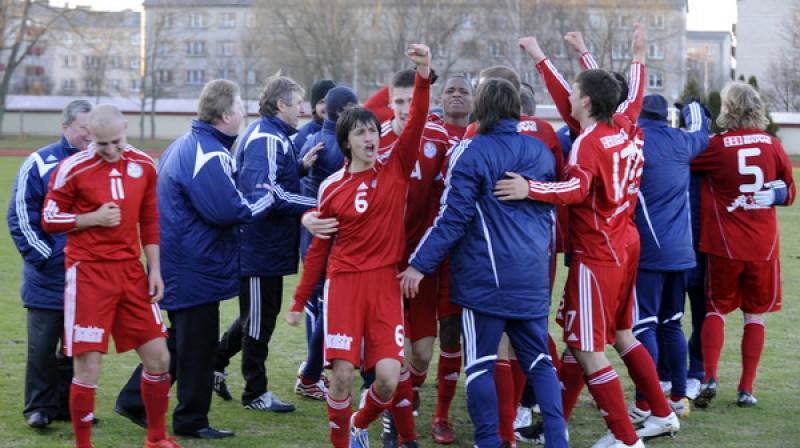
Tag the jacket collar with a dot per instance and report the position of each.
(504, 125)
(205, 128)
(280, 125)
(66, 145)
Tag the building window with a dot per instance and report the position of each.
(135, 63)
(68, 85)
(164, 77)
(195, 48)
(656, 21)
(197, 20)
(251, 77)
(227, 48)
(655, 51)
(496, 49)
(619, 51)
(195, 77)
(116, 85)
(623, 21)
(115, 62)
(70, 61)
(166, 20)
(91, 62)
(595, 21)
(227, 20)
(69, 39)
(163, 48)
(251, 21)
(135, 39)
(226, 73)
(655, 81)
(92, 85)
(466, 21)
(560, 50)
(440, 51)
(469, 50)
(136, 85)
(711, 50)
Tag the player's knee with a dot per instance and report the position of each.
(385, 386)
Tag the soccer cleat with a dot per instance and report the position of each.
(221, 385)
(389, 434)
(693, 388)
(316, 391)
(442, 432)
(707, 393)
(531, 434)
(359, 438)
(169, 442)
(609, 441)
(680, 407)
(524, 417)
(410, 444)
(301, 368)
(666, 387)
(269, 402)
(745, 399)
(638, 415)
(659, 426)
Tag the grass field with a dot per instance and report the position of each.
(773, 423)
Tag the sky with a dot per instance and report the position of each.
(705, 15)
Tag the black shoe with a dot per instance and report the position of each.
(207, 433)
(221, 385)
(389, 435)
(138, 420)
(38, 420)
(707, 393)
(745, 399)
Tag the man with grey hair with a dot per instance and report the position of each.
(48, 373)
(269, 249)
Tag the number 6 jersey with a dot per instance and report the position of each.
(738, 163)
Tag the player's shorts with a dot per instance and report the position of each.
(363, 314)
(597, 302)
(420, 312)
(753, 286)
(108, 298)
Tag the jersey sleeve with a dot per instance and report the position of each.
(313, 269)
(25, 214)
(572, 190)
(379, 105)
(587, 61)
(457, 210)
(785, 174)
(57, 213)
(559, 90)
(148, 211)
(632, 106)
(214, 195)
(696, 134)
(408, 142)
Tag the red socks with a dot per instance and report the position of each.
(417, 380)
(81, 405)
(520, 379)
(339, 421)
(447, 378)
(642, 370)
(402, 409)
(155, 394)
(504, 383)
(713, 337)
(373, 407)
(572, 382)
(752, 345)
(605, 387)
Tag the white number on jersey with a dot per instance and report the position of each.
(117, 192)
(417, 173)
(360, 202)
(630, 156)
(752, 170)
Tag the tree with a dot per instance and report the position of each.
(23, 24)
(782, 89)
(772, 127)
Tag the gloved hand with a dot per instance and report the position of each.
(773, 193)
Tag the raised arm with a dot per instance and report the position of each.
(556, 84)
(575, 40)
(633, 105)
(408, 141)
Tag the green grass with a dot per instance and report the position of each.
(35, 142)
(773, 423)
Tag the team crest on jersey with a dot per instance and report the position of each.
(430, 150)
(135, 170)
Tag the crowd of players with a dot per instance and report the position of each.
(416, 223)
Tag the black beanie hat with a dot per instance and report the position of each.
(336, 100)
(320, 89)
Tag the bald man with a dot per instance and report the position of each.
(105, 197)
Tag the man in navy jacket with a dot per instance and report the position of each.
(199, 207)
(48, 374)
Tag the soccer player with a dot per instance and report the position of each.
(105, 197)
(48, 373)
(747, 174)
(499, 258)
(603, 176)
(266, 157)
(199, 206)
(667, 254)
(363, 297)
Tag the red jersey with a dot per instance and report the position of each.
(369, 206)
(422, 201)
(737, 163)
(84, 182)
(602, 176)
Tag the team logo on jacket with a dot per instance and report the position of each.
(430, 150)
(135, 170)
